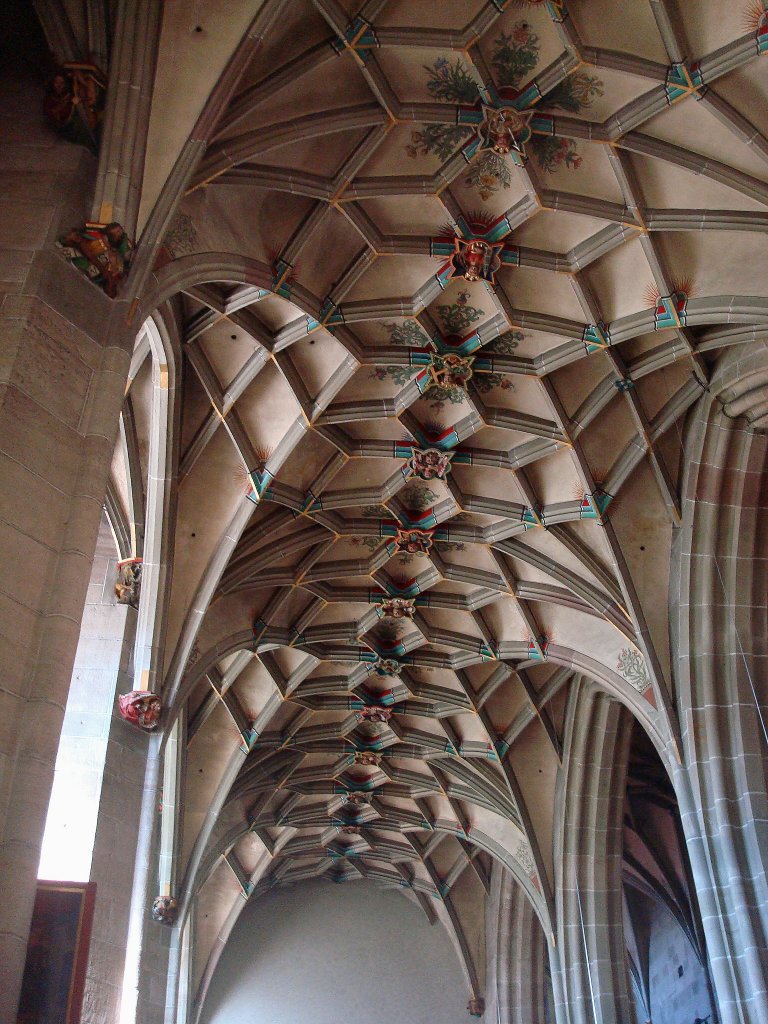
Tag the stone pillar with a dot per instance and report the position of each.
(719, 594)
(64, 354)
(129, 98)
(593, 987)
(114, 850)
(516, 954)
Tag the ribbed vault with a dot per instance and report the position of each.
(445, 281)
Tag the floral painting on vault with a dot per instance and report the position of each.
(506, 343)
(459, 316)
(450, 82)
(408, 333)
(400, 375)
(515, 55)
(488, 174)
(574, 94)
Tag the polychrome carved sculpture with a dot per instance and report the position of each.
(141, 708)
(430, 463)
(477, 260)
(357, 799)
(367, 758)
(373, 714)
(398, 608)
(504, 129)
(74, 103)
(451, 371)
(388, 667)
(128, 583)
(164, 909)
(476, 1007)
(414, 542)
(102, 251)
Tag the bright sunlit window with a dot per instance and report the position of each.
(70, 828)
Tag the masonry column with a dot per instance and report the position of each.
(64, 353)
(719, 597)
(517, 954)
(592, 986)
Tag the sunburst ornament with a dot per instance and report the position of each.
(754, 15)
(670, 310)
(755, 19)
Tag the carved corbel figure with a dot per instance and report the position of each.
(102, 251)
(141, 708)
(164, 909)
(74, 103)
(128, 583)
(476, 1007)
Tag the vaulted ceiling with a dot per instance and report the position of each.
(449, 278)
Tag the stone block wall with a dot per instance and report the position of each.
(64, 354)
(675, 998)
(115, 848)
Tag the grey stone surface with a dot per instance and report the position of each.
(60, 392)
(675, 997)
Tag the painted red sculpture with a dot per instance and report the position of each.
(74, 103)
(414, 542)
(141, 708)
(102, 251)
(430, 463)
(477, 260)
